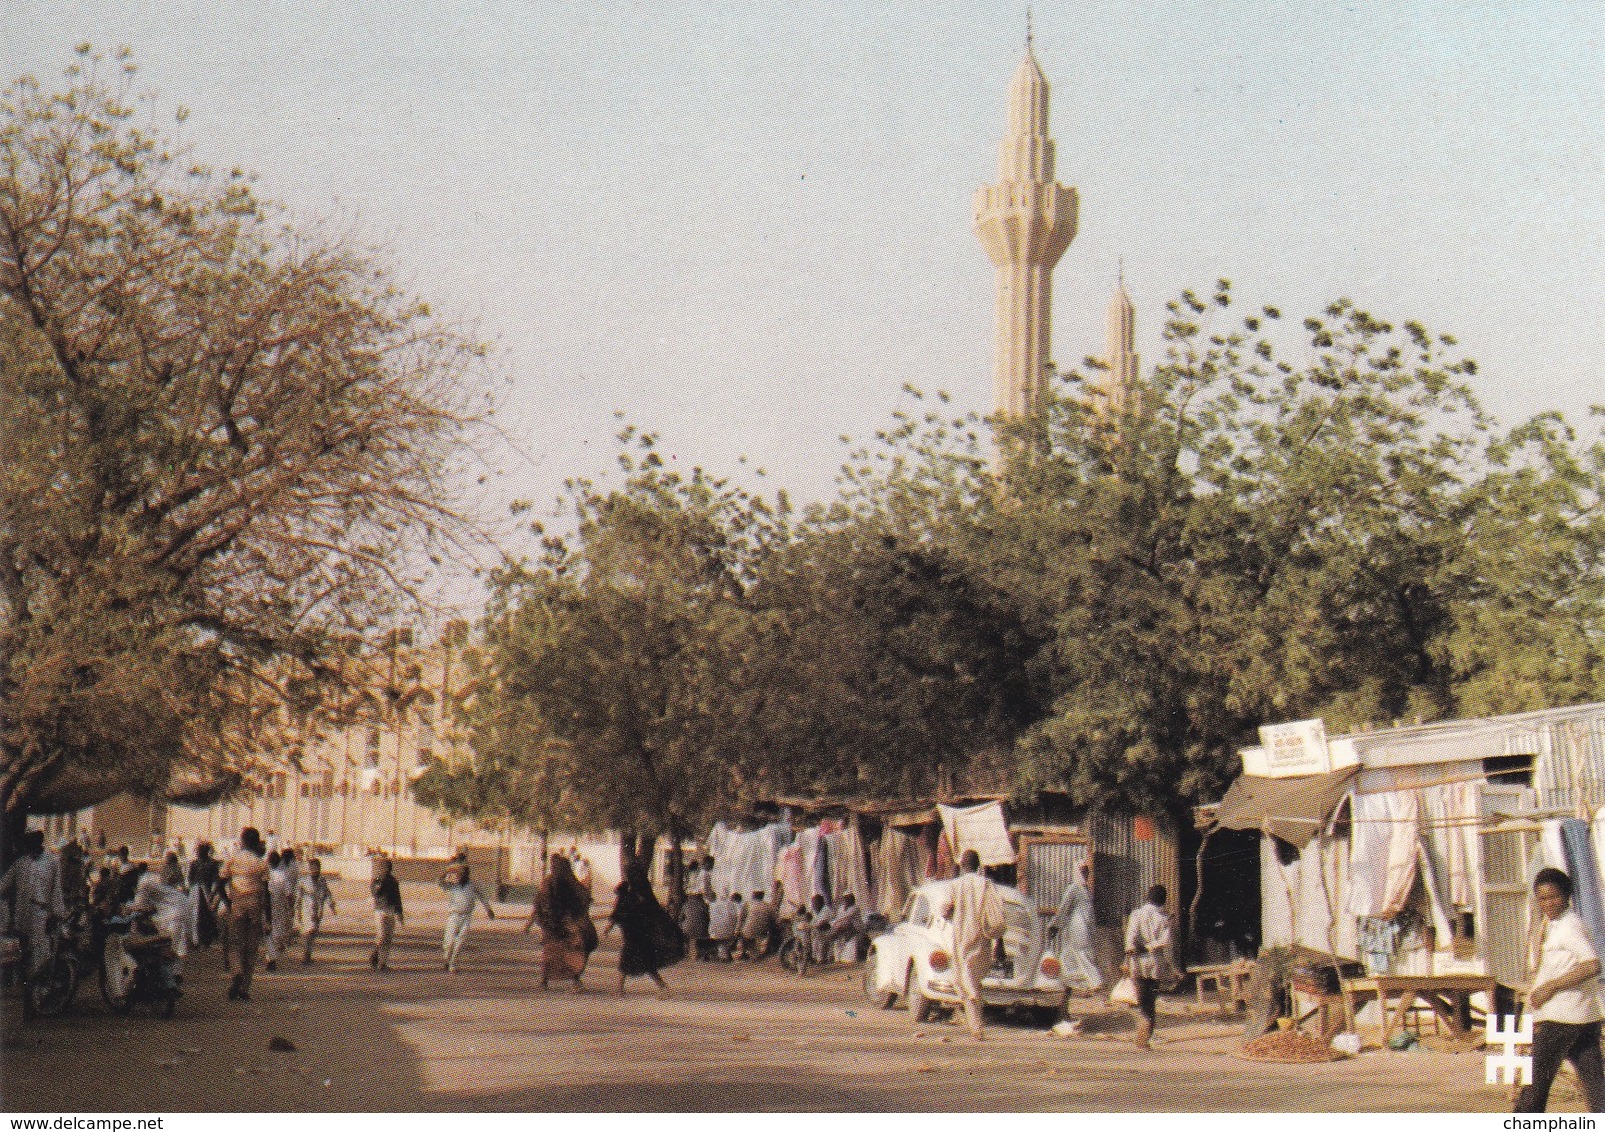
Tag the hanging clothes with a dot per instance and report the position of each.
(1378, 940)
(1453, 813)
(1598, 832)
(980, 828)
(1577, 841)
(848, 873)
(1437, 900)
(898, 870)
(789, 875)
(1382, 852)
(941, 863)
(1554, 849)
(821, 877)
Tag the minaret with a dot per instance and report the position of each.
(1025, 222)
(1122, 355)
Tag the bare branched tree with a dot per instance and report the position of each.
(228, 450)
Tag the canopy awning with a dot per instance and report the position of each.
(1293, 809)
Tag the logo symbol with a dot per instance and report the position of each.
(1510, 1067)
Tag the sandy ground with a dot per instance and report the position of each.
(731, 1037)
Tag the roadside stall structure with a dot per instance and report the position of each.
(815, 845)
(1406, 855)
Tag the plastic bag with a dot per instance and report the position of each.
(1123, 993)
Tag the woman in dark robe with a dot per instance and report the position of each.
(203, 886)
(563, 910)
(652, 939)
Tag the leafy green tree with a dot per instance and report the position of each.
(1258, 539)
(622, 640)
(1527, 633)
(225, 442)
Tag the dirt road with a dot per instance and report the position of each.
(732, 1037)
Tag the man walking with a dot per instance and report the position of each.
(975, 910)
(245, 876)
(1564, 999)
(1148, 959)
(312, 897)
(387, 912)
(461, 895)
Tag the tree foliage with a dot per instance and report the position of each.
(226, 440)
(610, 658)
(1291, 519)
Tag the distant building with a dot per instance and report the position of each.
(341, 786)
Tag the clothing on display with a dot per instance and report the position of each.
(1577, 841)
(1382, 852)
(848, 872)
(899, 869)
(789, 875)
(1378, 939)
(940, 866)
(980, 828)
(1453, 818)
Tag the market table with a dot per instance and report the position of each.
(1449, 996)
(1226, 980)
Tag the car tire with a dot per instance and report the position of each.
(883, 997)
(919, 1007)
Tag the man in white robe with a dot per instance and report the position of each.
(1073, 925)
(975, 910)
(34, 879)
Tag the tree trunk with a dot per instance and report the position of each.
(13, 823)
(676, 868)
(626, 852)
(646, 847)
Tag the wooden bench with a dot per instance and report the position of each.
(1225, 980)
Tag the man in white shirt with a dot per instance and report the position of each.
(35, 881)
(975, 910)
(1148, 959)
(1564, 999)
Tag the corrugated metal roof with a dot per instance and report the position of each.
(1455, 740)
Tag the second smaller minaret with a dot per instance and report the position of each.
(1122, 354)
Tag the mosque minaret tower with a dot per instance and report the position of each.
(1122, 351)
(1025, 222)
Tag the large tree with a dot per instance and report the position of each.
(228, 447)
(609, 660)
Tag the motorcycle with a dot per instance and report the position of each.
(51, 988)
(138, 964)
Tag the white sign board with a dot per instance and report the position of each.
(1292, 749)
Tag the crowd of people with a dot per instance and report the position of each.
(261, 903)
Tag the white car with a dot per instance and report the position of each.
(914, 961)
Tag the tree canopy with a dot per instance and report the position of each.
(230, 445)
(1290, 519)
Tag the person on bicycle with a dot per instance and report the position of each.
(845, 928)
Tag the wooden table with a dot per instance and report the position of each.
(1226, 980)
(1449, 996)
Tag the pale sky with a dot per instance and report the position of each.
(748, 225)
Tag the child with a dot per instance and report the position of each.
(283, 880)
(461, 892)
(312, 893)
(387, 912)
